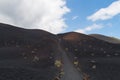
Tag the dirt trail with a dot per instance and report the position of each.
(70, 72)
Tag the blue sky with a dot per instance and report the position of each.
(56, 16)
(81, 9)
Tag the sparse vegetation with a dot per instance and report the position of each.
(25, 55)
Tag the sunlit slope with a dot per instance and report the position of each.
(95, 58)
(106, 38)
(84, 45)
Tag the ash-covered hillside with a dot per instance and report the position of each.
(27, 54)
(106, 38)
(96, 59)
(32, 54)
(85, 45)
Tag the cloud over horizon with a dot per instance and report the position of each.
(106, 13)
(39, 14)
(90, 28)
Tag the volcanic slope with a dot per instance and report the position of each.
(106, 38)
(27, 54)
(31, 54)
(95, 58)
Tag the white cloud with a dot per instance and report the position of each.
(40, 14)
(90, 28)
(106, 13)
(74, 17)
(5, 19)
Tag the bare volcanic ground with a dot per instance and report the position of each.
(27, 54)
(96, 59)
(30, 54)
(106, 38)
